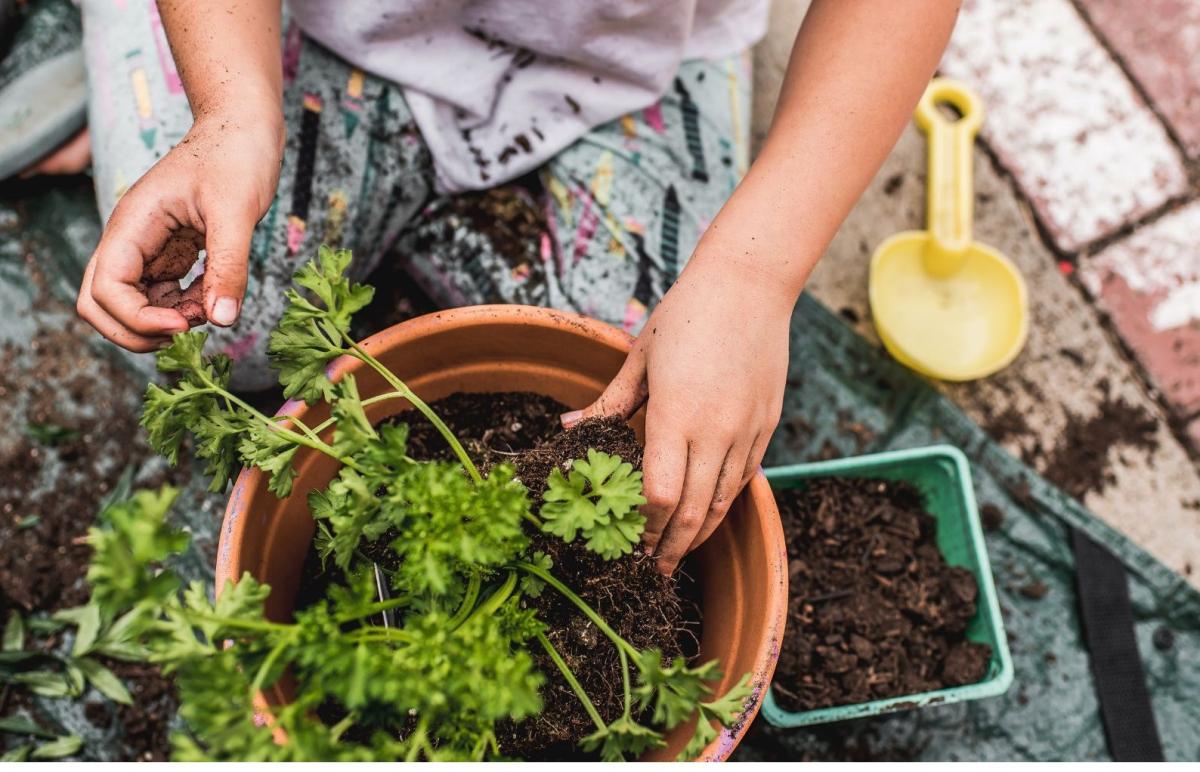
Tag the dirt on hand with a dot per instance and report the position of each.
(162, 272)
(874, 610)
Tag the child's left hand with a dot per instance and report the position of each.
(712, 361)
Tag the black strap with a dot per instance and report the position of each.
(1107, 617)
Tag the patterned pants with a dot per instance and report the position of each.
(603, 228)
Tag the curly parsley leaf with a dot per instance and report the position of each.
(725, 710)
(133, 538)
(674, 690)
(599, 499)
(621, 737)
(311, 334)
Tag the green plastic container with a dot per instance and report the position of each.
(943, 476)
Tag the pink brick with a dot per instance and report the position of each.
(1149, 284)
(1063, 118)
(1158, 41)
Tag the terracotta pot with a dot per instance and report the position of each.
(742, 568)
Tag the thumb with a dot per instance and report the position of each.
(623, 395)
(227, 253)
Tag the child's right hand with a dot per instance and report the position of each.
(219, 180)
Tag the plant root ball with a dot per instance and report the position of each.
(177, 257)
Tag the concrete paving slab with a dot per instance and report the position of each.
(1149, 285)
(1063, 118)
(1157, 41)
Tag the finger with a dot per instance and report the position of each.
(700, 483)
(228, 230)
(623, 395)
(729, 485)
(755, 458)
(664, 465)
(104, 324)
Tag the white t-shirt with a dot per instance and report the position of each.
(497, 87)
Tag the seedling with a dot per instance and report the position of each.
(455, 657)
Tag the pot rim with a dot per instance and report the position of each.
(767, 648)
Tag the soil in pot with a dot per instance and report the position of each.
(874, 610)
(643, 606)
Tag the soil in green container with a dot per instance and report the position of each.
(874, 609)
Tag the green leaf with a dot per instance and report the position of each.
(353, 431)
(598, 499)
(87, 626)
(310, 334)
(17, 754)
(621, 737)
(67, 745)
(725, 710)
(133, 536)
(105, 681)
(674, 691)
(21, 725)
(14, 632)
(45, 683)
(50, 434)
(271, 451)
(530, 584)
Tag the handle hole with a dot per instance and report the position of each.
(949, 110)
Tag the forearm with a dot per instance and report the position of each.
(228, 56)
(857, 69)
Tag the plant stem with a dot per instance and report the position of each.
(268, 663)
(571, 680)
(468, 602)
(497, 598)
(365, 403)
(625, 681)
(239, 624)
(587, 610)
(375, 608)
(533, 519)
(399, 385)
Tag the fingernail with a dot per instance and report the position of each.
(225, 311)
(571, 418)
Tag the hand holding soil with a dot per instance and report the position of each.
(217, 182)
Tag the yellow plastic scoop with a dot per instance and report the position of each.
(945, 305)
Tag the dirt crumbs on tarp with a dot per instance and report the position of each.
(874, 609)
(1081, 461)
(645, 608)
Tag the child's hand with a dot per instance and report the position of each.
(219, 180)
(713, 360)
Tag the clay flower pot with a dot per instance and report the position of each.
(742, 568)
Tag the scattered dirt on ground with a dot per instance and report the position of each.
(874, 610)
(1081, 461)
(70, 430)
(992, 517)
(1035, 590)
(634, 598)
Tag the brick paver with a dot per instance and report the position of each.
(1149, 285)
(1063, 118)
(1159, 42)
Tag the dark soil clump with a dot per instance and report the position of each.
(874, 609)
(646, 608)
(1080, 463)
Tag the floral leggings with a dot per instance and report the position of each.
(616, 214)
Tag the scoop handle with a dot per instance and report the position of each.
(951, 185)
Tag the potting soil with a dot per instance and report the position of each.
(844, 397)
